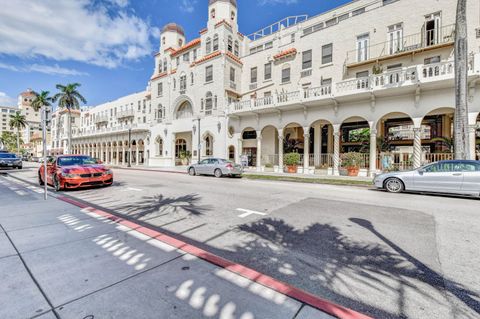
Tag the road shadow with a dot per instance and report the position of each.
(330, 259)
(152, 206)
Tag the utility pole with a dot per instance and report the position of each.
(46, 118)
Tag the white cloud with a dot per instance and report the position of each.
(188, 5)
(6, 100)
(41, 68)
(81, 30)
(267, 2)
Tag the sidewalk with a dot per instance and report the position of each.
(253, 174)
(63, 259)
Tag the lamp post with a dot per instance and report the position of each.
(129, 147)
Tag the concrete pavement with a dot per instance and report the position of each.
(386, 255)
(61, 261)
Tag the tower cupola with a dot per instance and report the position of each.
(172, 36)
(222, 10)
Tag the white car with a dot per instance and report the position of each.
(452, 177)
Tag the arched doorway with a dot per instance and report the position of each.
(208, 140)
(249, 147)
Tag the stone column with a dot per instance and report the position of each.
(117, 160)
(123, 155)
(417, 147)
(259, 151)
(373, 152)
(172, 149)
(239, 150)
(137, 156)
(318, 144)
(306, 149)
(472, 136)
(280, 150)
(111, 161)
(336, 151)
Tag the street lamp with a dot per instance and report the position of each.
(129, 146)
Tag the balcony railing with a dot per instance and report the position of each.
(101, 119)
(106, 130)
(404, 44)
(125, 114)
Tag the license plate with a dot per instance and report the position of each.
(9, 164)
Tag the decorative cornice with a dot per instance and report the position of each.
(187, 46)
(158, 76)
(233, 57)
(283, 54)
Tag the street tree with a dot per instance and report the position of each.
(69, 98)
(461, 141)
(18, 121)
(41, 100)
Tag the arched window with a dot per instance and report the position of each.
(212, 13)
(232, 15)
(159, 146)
(208, 46)
(180, 42)
(237, 49)
(180, 146)
(174, 84)
(215, 102)
(192, 78)
(163, 40)
(208, 103)
(165, 65)
(160, 114)
(215, 42)
(184, 111)
(208, 146)
(230, 43)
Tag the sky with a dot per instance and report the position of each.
(108, 45)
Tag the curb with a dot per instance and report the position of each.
(253, 275)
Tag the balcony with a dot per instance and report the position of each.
(101, 119)
(125, 114)
(428, 40)
(110, 130)
(429, 75)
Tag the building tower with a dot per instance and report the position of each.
(172, 36)
(219, 10)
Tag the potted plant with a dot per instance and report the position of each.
(185, 157)
(291, 161)
(352, 162)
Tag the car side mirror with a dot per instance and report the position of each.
(421, 171)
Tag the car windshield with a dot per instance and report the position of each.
(7, 155)
(75, 160)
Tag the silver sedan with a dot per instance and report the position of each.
(451, 177)
(217, 167)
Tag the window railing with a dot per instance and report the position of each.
(126, 113)
(404, 44)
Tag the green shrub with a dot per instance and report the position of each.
(353, 159)
(269, 165)
(291, 159)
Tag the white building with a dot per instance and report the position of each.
(320, 86)
(5, 113)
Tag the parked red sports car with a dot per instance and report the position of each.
(75, 171)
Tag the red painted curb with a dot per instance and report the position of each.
(253, 275)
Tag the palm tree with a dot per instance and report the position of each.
(462, 149)
(18, 121)
(41, 100)
(69, 98)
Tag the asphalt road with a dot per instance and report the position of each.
(386, 255)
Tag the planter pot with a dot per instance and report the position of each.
(343, 171)
(353, 171)
(291, 169)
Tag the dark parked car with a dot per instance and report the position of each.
(10, 160)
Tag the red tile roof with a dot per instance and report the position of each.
(223, 22)
(158, 76)
(187, 46)
(203, 31)
(208, 57)
(291, 51)
(173, 71)
(241, 34)
(233, 57)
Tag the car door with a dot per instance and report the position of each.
(212, 164)
(200, 168)
(51, 169)
(443, 177)
(471, 177)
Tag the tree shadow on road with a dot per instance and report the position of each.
(328, 262)
(152, 206)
